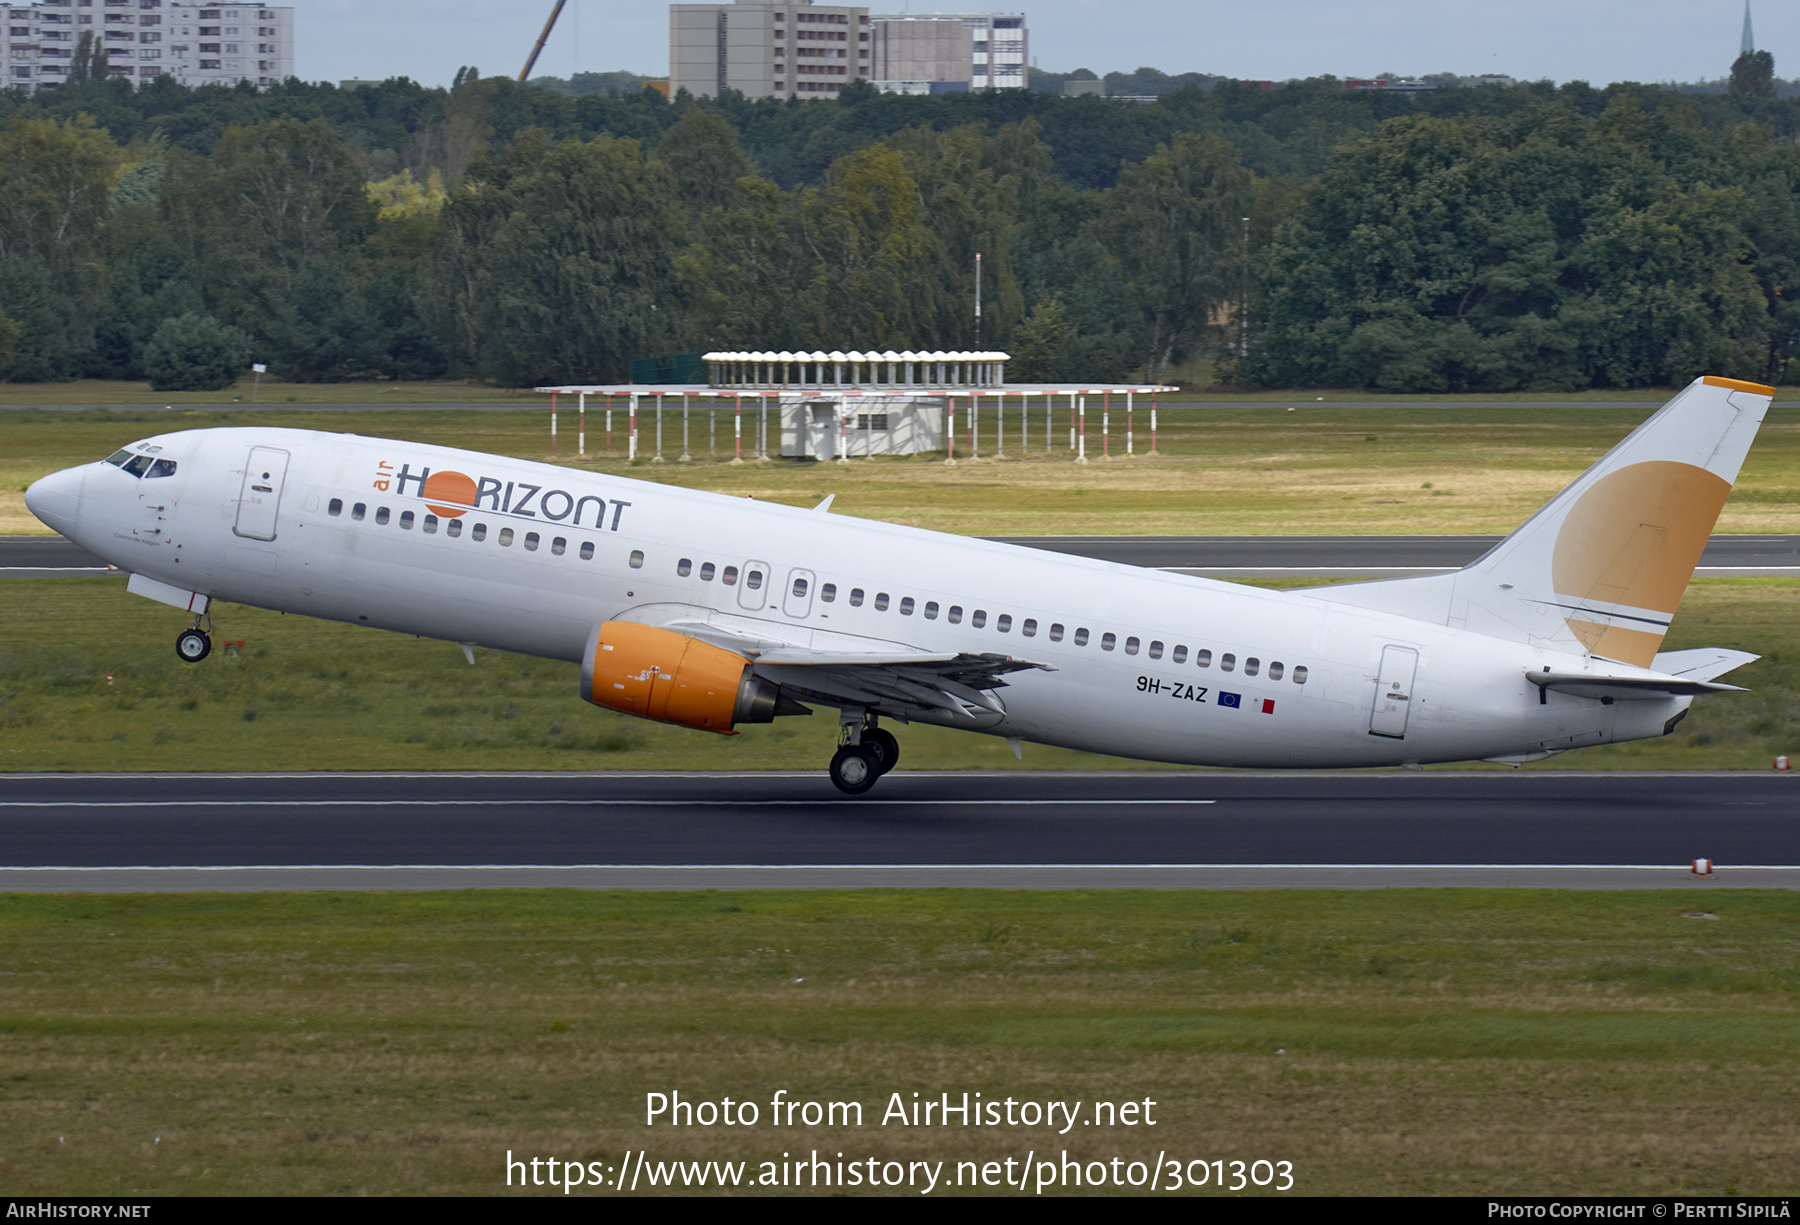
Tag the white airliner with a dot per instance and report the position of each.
(710, 611)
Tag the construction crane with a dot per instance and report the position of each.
(542, 39)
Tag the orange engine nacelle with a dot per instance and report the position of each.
(672, 678)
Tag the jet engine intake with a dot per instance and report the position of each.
(672, 678)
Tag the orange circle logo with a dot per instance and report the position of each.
(452, 487)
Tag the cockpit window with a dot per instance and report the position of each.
(162, 467)
(117, 458)
(137, 464)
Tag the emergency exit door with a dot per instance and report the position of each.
(1393, 692)
(261, 495)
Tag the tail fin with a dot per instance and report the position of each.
(1604, 565)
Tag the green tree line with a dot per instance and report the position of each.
(1472, 239)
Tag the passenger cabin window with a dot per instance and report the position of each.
(752, 578)
(358, 511)
(431, 525)
(637, 559)
(1056, 631)
(799, 589)
(1156, 649)
(559, 545)
(506, 534)
(478, 533)
(1275, 670)
(978, 618)
(1299, 674)
(587, 550)
(1227, 662)
(729, 577)
(1108, 641)
(684, 567)
(881, 601)
(1131, 646)
(931, 610)
(828, 592)
(1004, 623)
(1081, 637)
(162, 467)
(1203, 659)
(1029, 627)
(453, 528)
(906, 606)
(1252, 666)
(707, 570)
(531, 542)
(1179, 654)
(856, 597)
(335, 507)
(381, 515)
(406, 521)
(954, 616)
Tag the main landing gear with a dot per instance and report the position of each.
(865, 753)
(195, 643)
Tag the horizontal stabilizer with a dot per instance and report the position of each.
(1626, 688)
(1702, 664)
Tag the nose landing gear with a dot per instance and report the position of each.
(865, 752)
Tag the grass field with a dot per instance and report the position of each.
(1391, 1042)
(316, 695)
(1323, 469)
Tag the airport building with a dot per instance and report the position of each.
(765, 49)
(145, 39)
(919, 53)
(790, 48)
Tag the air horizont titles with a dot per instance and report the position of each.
(453, 494)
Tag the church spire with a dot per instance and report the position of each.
(1749, 46)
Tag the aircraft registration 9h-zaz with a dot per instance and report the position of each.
(708, 611)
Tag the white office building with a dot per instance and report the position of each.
(145, 39)
(947, 52)
(767, 49)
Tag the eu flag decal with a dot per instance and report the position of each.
(1229, 699)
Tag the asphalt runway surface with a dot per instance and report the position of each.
(1015, 829)
(1224, 556)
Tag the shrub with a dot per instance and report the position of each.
(195, 352)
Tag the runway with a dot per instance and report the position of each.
(1370, 556)
(1191, 829)
(1216, 556)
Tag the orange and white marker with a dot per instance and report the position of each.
(1702, 867)
(1782, 764)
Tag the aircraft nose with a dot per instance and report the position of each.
(56, 499)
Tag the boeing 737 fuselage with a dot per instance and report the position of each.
(710, 611)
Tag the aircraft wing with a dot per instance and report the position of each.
(848, 669)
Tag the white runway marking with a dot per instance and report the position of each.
(578, 803)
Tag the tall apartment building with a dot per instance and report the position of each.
(197, 45)
(943, 52)
(767, 48)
